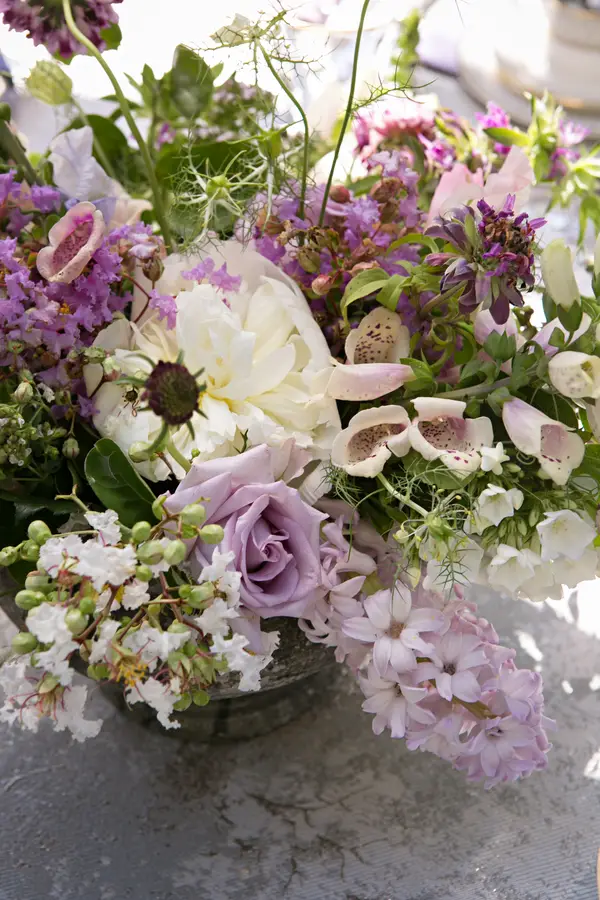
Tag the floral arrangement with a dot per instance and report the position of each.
(232, 393)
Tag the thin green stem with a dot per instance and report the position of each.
(402, 498)
(348, 113)
(12, 146)
(129, 118)
(478, 390)
(302, 114)
(178, 457)
(98, 149)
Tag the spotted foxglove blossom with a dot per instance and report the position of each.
(564, 533)
(394, 629)
(394, 701)
(455, 663)
(259, 353)
(157, 695)
(557, 272)
(492, 458)
(552, 443)
(440, 431)
(495, 504)
(575, 374)
(511, 568)
(72, 243)
(372, 436)
(372, 352)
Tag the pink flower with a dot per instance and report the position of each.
(502, 749)
(272, 532)
(454, 658)
(394, 629)
(460, 186)
(394, 702)
(73, 241)
(372, 350)
(372, 435)
(552, 443)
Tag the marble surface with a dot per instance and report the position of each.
(320, 809)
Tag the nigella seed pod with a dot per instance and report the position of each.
(172, 393)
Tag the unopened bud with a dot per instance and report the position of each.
(87, 606)
(201, 594)
(194, 514)
(29, 599)
(24, 642)
(151, 553)
(322, 284)
(144, 573)
(75, 621)
(175, 552)
(340, 194)
(38, 581)
(200, 698)
(138, 452)
(47, 684)
(177, 628)
(157, 506)
(24, 393)
(141, 532)
(111, 368)
(184, 703)
(39, 532)
(8, 556)
(211, 534)
(153, 268)
(310, 260)
(70, 448)
(30, 551)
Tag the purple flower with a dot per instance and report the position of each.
(166, 306)
(272, 532)
(166, 135)
(362, 214)
(501, 749)
(45, 198)
(394, 629)
(44, 22)
(495, 117)
(218, 278)
(456, 660)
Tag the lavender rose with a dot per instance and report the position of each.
(273, 533)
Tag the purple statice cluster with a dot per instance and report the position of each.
(432, 672)
(44, 22)
(356, 234)
(492, 256)
(50, 312)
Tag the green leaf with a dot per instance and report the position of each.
(508, 136)
(363, 185)
(591, 463)
(111, 35)
(362, 285)
(390, 292)
(521, 371)
(415, 238)
(570, 318)
(117, 485)
(500, 346)
(33, 503)
(424, 378)
(435, 473)
(191, 82)
(555, 406)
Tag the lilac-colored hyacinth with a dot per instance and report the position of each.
(43, 21)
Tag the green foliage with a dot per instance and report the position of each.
(191, 82)
(508, 136)
(362, 285)
(117, 485)
(500, 346)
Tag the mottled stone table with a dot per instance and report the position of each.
(319, 810)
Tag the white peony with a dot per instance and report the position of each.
(259, 349)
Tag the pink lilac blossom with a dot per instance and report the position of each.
(166, 307)
(44, 23)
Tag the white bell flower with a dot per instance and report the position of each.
(511, 568)
(565, 534)
(496, 503)
(492, 458)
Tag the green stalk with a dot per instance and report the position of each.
(406, 501)
(178, 457)
(302, 114)
(11, 144)
(104, 160)
(126, 110)
(478, 390)
(348, 113)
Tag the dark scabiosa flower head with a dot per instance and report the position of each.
(44, 22)
(491, 256)
(172, 393)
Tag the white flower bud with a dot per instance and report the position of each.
(558, 274)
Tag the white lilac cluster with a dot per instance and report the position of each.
(432, 671)
(106, 600)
